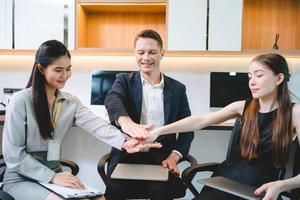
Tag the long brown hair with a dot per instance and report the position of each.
(282, 126)
(45, 55)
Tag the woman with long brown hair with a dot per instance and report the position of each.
(37, 120)
(269, 122)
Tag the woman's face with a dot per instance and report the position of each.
(263, 82)
(57, 73)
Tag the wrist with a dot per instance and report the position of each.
(122, 120)
(175, 156)
(284, 185)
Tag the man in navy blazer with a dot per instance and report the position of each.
(137, 102)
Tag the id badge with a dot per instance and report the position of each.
(54, 149)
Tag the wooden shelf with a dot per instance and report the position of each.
(263, 19)
(115, 25)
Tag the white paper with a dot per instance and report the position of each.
(68, 192)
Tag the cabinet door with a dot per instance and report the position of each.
(225, 25)
(37, 21)
(187, 25)
(5, 24)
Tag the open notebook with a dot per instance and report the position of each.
(140, 172)
(232, 187)
(67, 192)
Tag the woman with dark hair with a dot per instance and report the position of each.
(269, 122)
(37, 120)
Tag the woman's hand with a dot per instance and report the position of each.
(271, 190)
(153, 134)
(68, 180)
(132, 145)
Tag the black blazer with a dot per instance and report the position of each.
(125, 99)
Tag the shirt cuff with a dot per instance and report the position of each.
(178, 153)
(116, 122)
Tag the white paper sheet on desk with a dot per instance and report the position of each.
(68, 192)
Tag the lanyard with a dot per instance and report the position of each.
(56, 114)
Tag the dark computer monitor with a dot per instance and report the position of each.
(101, 84)
(227, 87)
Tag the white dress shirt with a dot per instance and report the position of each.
(153, 106)
(152, 103)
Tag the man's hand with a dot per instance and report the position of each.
(68, 180)
(133, 129)
(132, 145)
(171, 163)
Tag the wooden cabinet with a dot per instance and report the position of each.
(111, 24)
(5, 24)
(225, 25)
(262, 19)
(187, 25)
(26, 24)
(37, 21)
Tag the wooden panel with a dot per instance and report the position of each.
(115, 25)
(262, 19)
(119, 30)
(81, 27)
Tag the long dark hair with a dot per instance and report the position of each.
(282, 126)
(45, 55)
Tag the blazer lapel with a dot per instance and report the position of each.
(137, 92)
(168, 94)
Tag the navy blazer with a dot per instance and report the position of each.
(125, 99)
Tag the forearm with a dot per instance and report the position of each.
(98, 127)
(291, 183)
(183, 143)
(185, 125)
(115, 107)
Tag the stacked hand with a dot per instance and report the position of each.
(139, 135)
(132, 145)
(142, 138)
(133, 129)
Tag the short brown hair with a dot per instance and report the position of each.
(149, 33)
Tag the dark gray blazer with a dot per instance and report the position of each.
(125, 99)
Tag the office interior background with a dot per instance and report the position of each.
(200, 36)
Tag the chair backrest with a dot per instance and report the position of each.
(233, 137)
(295, 194)
(2, 168)
(292, 168)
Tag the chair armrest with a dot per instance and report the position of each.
(72, 165)
(189, 173)
(5, 196)
(189, 158)
(101, 167)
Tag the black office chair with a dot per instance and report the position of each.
(292, 168)
(5, 196)
(102, 170)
